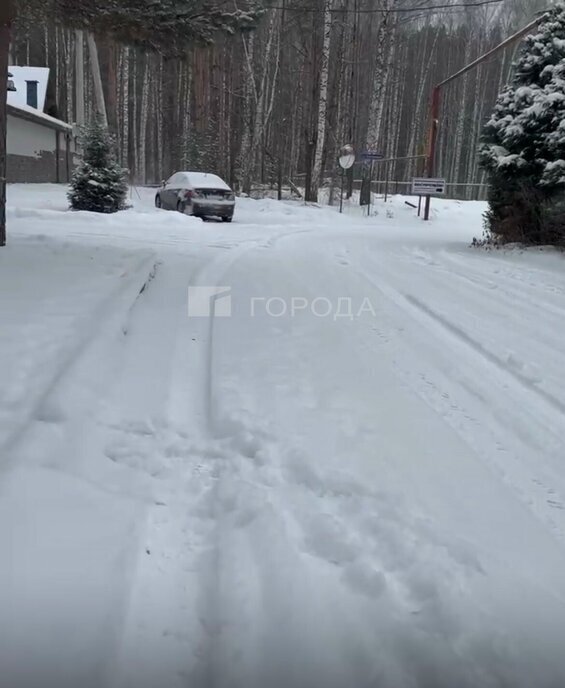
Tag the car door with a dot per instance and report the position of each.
(165, 194)
(173, 190)
(179, 185)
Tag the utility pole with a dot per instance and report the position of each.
(6, 17)
(436, 97)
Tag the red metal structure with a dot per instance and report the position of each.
(436, 98)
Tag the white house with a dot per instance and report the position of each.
(40, 148)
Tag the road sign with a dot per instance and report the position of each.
(346, 157)
(426, 186)
(370, 155)
(346, 162)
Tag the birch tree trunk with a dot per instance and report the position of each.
(376, 107)
(322, 100)
(379, 108)
(261, 114)
(459, 130)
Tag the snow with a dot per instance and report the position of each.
(525, 92)
(203, 180)
(555, 165)
(286, 500)
(43, 116)
(512, 159)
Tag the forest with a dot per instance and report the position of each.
(274, 104)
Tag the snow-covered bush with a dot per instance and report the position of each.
(99, 183)
(523, 149)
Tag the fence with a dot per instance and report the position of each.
(294, 189)
(461, 191)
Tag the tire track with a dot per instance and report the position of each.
(459, 333)
(527, 456)
(111, 314)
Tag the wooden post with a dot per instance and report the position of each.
(68, 141)
(433, 140)
(57, 156)
(369, 198)
(7, 11)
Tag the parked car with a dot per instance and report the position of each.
(197, 193)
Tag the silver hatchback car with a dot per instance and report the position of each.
(197, 193)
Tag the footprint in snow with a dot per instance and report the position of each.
(326, 538)
(528, 371)
(365, 579)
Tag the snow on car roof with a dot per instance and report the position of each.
(203, 180)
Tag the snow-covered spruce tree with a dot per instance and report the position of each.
(99, 183)
(523, 149)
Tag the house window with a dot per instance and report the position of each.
(32, 94)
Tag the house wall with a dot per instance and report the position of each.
(32, 152)
(22, 74)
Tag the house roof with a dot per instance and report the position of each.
(33, 115)
(22, 74)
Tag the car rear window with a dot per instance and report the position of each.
(207, 193)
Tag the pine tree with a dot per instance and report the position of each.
(201, 150)
(99, 184)
(523, 147)
(163, 26)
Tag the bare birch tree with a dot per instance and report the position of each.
(322, 99)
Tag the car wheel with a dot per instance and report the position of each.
(226, 219)
(158, 201)
(180, 206)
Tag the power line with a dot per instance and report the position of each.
(384, 11)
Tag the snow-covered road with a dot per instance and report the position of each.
(280, 496)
